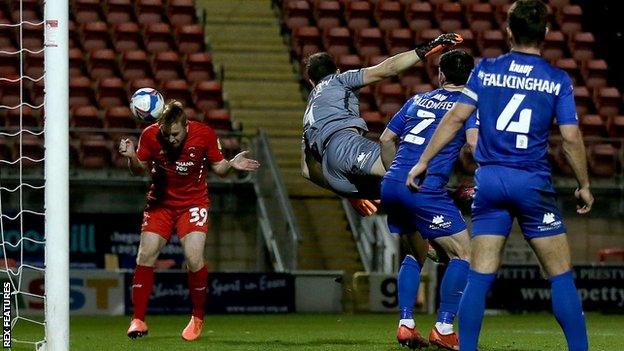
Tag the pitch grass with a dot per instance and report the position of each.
(531, 332)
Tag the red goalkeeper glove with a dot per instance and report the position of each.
(364, 207)
(438, 44)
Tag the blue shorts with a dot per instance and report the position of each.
(505, 193)
(431, 212)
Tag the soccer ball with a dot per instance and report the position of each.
(147, 104)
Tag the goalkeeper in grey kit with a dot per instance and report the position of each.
(335, 154)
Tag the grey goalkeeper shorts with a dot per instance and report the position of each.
(347, 164)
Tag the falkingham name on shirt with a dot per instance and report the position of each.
(521, 83)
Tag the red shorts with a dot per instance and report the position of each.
(161, 220)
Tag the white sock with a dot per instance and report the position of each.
(444, 328)
(408, 323)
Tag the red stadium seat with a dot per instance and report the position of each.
(86, 11)
(367, 98)
(80, 93)
(10, 91)
(32, 37)
(369, 42)
(306, 40)
(134, 65)
(358, 14)
(419, 16)
(595, 73)
(208, 95)
(615, 127)
(297, 14)
(126, 37)
(158, 38)
(492, 43)
(602, 160)
(592, 125)
(95, 152)
(219, 119)
(374, 121)
(6, 153)
(76, 63)
(119, 117)
(181, 12)
(399, 40)
(480, 17)
(569, 18)
(150, 11)
(190, 38)
(33, 64)
(327, 14)
(554, 46)
(349, 62)
(193, 115)
(198, 67)
(427, 35)
(337, 41)
(167, 66)
(389, 15)
(74, 39)
(500, 14)
(419, 88)
(85, 117)
(111, 92)
(26, 119)
(391, 95)
(102, 63)
(607, 101)
(95, 36)
(449, 16)
(413, 76)
(9, 63)
(582, 46)
(36, 92)
(31, 10)
(177, 89)
(572, 69)
(7, 34)
(31, 147)
(118, 11)
(583, 101)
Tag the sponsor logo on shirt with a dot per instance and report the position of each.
(550, 222)
(439, 222)
(524, 69)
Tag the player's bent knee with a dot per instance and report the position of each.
(195, 263)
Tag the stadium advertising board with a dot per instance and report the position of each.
(522, 288)
(227, 293)
(91, 292)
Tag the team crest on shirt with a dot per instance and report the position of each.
(550, 222)
(439, 222)
(191, 152)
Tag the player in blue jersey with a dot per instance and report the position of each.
(335, 154)
(430, 211)
(517, 96)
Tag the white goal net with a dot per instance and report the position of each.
(34, 219)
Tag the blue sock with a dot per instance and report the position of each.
(451, 289)
(568, 311)
(472, 308)
(408, 282)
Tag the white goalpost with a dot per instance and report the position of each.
(56, 106)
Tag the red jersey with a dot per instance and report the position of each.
(179, 176)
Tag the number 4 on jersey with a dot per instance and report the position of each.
(523, 124)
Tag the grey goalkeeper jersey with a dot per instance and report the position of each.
(333, 105)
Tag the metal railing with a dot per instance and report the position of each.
(379, 251)
(278, 223)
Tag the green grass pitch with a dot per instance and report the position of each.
(530, 332)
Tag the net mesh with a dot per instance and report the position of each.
(21, 164)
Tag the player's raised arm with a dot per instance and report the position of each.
(127, 149)
(401, 62)
(446, 131)
(574, 149)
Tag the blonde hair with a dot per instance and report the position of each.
(172, 113)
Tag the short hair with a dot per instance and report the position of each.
(319, 66)
(173, 112)
(456, 66)
(527, 20)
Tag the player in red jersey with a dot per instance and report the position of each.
(179, 152)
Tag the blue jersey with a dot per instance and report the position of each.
(415, 123)
(518, 96)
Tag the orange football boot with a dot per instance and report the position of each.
(411, 338)
(137, 329)
(447, 342)
(193, 329)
